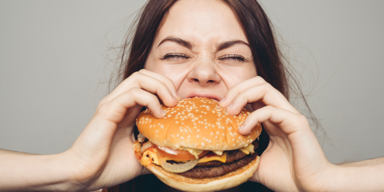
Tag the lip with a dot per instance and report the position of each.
(206, 95)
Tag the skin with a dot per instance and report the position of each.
(198, 71)
(102, 156)
(201, 69)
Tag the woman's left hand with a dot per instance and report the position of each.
(293, 160)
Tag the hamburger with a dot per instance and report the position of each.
(196, 146)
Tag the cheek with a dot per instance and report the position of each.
(236, 75)
(176, 73)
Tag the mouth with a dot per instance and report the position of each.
(205, 95)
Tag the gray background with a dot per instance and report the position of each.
(55, 60)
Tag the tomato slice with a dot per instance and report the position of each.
(177, 155)
(211, 154)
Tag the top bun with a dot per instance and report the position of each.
(198, 123)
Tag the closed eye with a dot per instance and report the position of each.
(175, 56)
(232, 57)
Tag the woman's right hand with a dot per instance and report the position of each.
(102, 155)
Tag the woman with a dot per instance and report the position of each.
(219, 49)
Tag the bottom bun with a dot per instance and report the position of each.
(226, 181)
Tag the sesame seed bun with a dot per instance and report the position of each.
(198, 123)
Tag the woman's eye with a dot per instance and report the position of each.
(232, 58)
(175, 56)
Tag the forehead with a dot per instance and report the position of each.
(201, 21)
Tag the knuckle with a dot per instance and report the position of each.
(142, 70)
(300, 117)
(260, 79)
(269, 108)
(135, 75)
(135, 91)
(103, 109)
(266, 85)
(104, 100)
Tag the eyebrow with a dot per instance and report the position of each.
(177, 40)
(228, 44)
(188, 45)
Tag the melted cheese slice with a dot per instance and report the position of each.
(194, 152)
(248, 149)
(149, 156)
(222, 158)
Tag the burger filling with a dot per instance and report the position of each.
(195, 163)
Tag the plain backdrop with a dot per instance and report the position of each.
(56, 59)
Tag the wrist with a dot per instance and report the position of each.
(359, 176)
(75, 178)
(333, 176)
(31, 172)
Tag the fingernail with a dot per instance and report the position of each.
(163, 112)
(222, 100)
(178, 96)
(242, 126)
(230, 106)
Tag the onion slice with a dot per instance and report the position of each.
(178, 167)
(146, 146)
(140, 138)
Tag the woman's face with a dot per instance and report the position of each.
(202, 48)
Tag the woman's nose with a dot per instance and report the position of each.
(204, 74)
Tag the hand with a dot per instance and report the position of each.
(103, 156)
(293, 160)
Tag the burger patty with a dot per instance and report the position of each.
(204, 172)
(231, 157)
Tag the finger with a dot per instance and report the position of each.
(239, 88)
(168, 82)
(148, 83)
(98, 134)
(287, 121)
(264, 93)
(116, 109)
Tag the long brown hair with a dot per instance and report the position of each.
(266, 55)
